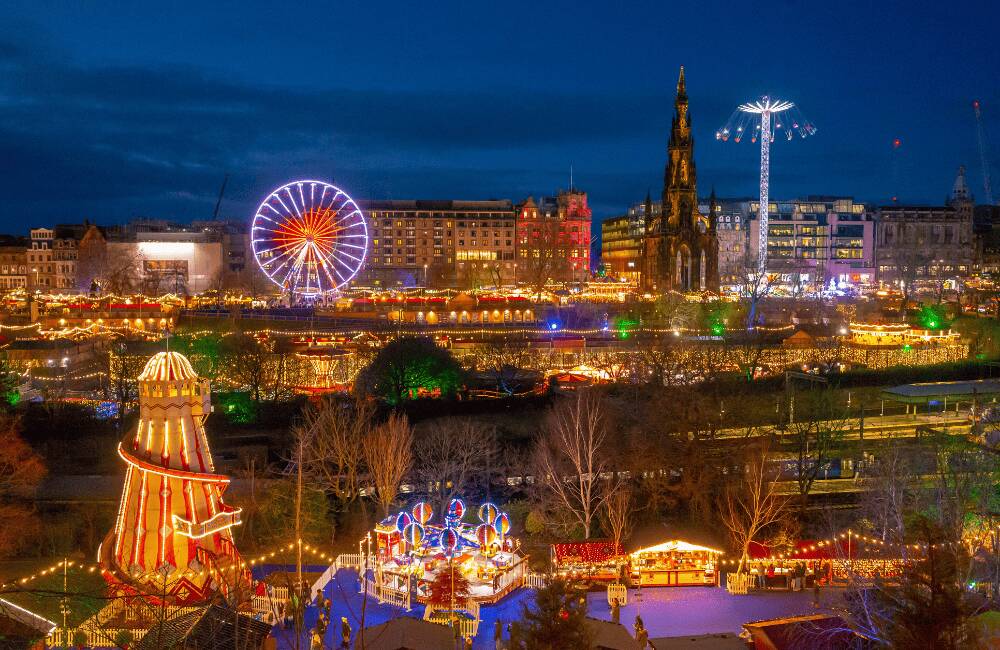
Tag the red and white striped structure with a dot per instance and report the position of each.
(172, 535)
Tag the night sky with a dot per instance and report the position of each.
(109, 110)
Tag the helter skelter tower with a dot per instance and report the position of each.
(763, 119)
(172, 540)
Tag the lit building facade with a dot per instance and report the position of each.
(622, 242)
(817, 239)
(13, 263)
(553, 238)
(733, 237)
(51, 259)
(927, 243)
(439, 243)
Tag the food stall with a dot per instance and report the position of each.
(675, 563)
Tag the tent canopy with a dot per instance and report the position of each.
(676, 545)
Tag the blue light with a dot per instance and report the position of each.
(553, 326)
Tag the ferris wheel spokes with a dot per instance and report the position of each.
(311, 238)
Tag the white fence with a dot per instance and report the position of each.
(384, 593)
(738, 583)
(619, 593)
(99, 637)
(534, 580)
(509, 580)
(467, 627)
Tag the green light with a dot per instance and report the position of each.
(718, 329)
(624, 327)
(907, 347)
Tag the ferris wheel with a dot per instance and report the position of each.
(309, 237)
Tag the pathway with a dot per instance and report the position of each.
(666, 611)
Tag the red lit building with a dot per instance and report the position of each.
(553, 239)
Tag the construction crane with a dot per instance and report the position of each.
(983, 159)
(218, 203)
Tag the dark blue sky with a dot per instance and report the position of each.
(109, 110)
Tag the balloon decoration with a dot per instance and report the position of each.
(502, 524)
(449, 541)
(422, 512)
(413, 534)
(487, 537)
(488, 512)
(456, 509)
(402, 521)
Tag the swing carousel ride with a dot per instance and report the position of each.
(412, 549)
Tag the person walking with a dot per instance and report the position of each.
(498, 634)
(345, 633)
(616, 611)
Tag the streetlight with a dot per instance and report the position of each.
(425, 277)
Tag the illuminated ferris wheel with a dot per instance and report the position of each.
(309, 237)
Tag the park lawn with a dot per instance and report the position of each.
(86, 589)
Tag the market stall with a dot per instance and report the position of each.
(592, 559)
(675, 563)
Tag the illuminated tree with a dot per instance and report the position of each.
(123, 370)
(448, 585)
(556, 619)
(408, 368)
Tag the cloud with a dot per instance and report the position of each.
(154, 139)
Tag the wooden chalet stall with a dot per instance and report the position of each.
(675, 563)
(593, 559)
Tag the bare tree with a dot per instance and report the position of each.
(334, 453)
(449, 456)
(572, 459)
(815, 436)
(506, 360)
(751, 504)
(387, 452)
(617, 515)
(890, 490)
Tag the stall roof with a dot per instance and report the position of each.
(675, 545)
(938, 390)
(592, 551)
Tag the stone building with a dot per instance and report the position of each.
(923, 243)
(439, 243)
(681, 247)
(13, 263)
(51, 259)
(553, 238)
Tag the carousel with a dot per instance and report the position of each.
(411, 550)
